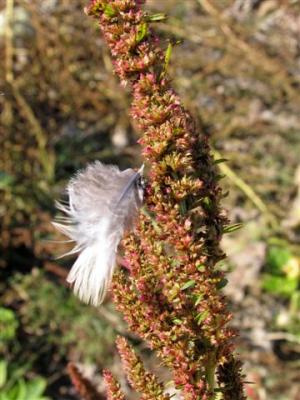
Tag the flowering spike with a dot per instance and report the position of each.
(112, 387)
(83, 386)
(141, 380)
(177, 238)
(230, 376)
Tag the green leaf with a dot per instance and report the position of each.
(6, 180)
(200, 267)
(201, 317)
(8, 324)
(142, 32)
(280, 285)
(207, 203)
(225, 194)
(22, 390)
(188, 284)
(109, 11)
(277, 258)
(220, 160)
(3, 373)
(36, 388)
(177, 321)
(167, 59)
(13, 393)
(182, 207)
(168, 55)
(199, 297)
(232, 228)
(156, 17)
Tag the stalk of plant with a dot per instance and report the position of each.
(171, 292)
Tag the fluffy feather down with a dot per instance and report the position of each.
(103, 204)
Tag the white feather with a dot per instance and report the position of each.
(103, 203)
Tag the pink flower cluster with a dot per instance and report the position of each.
(112, 387)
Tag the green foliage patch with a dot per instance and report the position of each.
(56, 317)
(14, 386)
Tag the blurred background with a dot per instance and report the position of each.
(237, 69)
